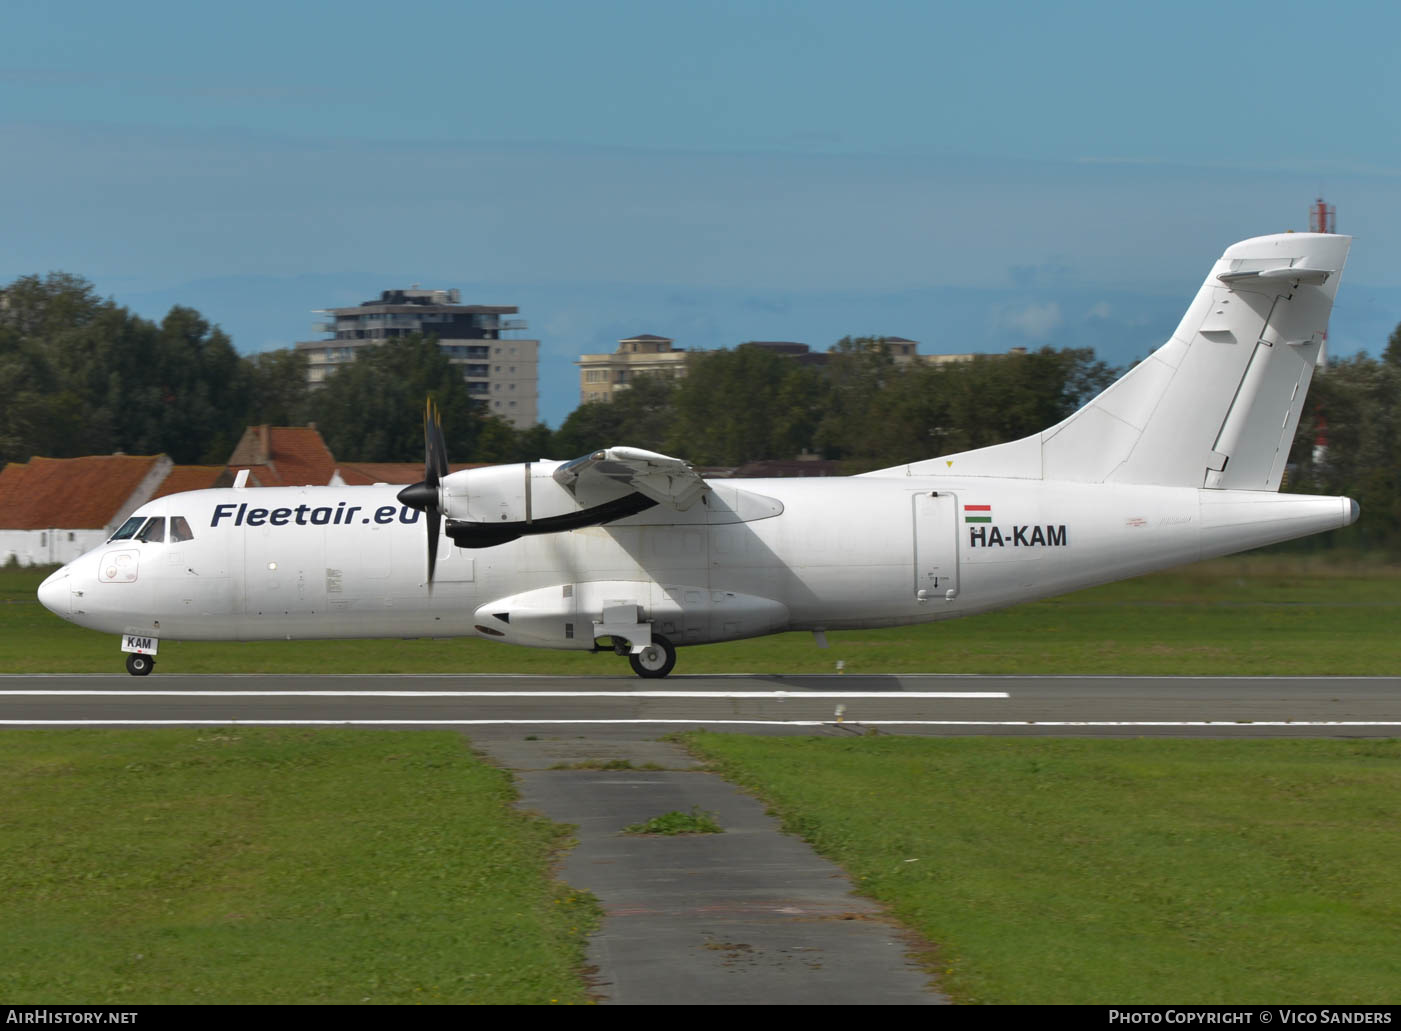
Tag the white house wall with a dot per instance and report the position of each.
(47, 547)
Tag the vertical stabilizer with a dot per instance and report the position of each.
(1217, 405)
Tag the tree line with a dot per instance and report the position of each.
(82, 375)
(1349, 443)
(861, 407)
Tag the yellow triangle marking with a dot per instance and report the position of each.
(949, 463)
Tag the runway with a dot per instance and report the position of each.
(630, 708)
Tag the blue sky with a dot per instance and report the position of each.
(971, 176)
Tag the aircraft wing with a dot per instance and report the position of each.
(667, 481)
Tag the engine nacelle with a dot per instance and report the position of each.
(490, 506)
(486, 507)
(518, 493)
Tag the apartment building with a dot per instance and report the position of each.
(603, 376)
(501, 366)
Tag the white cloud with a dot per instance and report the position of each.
(1035, 321)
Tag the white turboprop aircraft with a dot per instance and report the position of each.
(1179, 460)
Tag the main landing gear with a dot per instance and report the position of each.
(139, 665)
(656, 660)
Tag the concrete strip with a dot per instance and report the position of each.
(546, 751)
(750, 916)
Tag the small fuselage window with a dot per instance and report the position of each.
(154, 530)
(128, 529)
(180, 530)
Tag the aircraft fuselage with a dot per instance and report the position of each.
(755, 557)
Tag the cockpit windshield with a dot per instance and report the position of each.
(154, 530)
(128, 529)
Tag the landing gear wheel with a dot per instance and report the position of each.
(655, 660)
(139, 665)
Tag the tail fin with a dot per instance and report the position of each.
(1217, 405)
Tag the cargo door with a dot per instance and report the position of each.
(936, 545)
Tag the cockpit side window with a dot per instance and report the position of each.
(154, 531)
(180, 530)
(128, 529)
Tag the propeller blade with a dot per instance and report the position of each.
(437, 447)
(424, 494)
(435, 521)
(428, 443)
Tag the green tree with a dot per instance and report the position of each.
(92, 378)
(372, 409)
(42, 308)
(741, 405)
(1005, 397)
(882, 413)
(277, 388)
(1349, 443)
(1392, 354)
(640, 416)
(532, 444)
(195, 388)
(41, 410)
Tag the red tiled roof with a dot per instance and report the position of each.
(188, 477)
(360, 474)
(69, 493)
(283, 456)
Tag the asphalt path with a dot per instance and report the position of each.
(628, 708)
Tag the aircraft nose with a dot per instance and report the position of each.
(54, 593)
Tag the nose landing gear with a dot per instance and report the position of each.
(139, 665)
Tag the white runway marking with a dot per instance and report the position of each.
(156, 692)
(701, 720)
(683, 677)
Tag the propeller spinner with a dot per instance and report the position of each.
(424, 495)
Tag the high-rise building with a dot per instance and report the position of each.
(501, 367)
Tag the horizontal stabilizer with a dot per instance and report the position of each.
(1307, 276)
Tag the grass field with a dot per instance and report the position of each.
(1139, 871)
(274, 866)
(1247, 615)
(256, 865)
(330, 866)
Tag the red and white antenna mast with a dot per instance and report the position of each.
(1323, 218)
